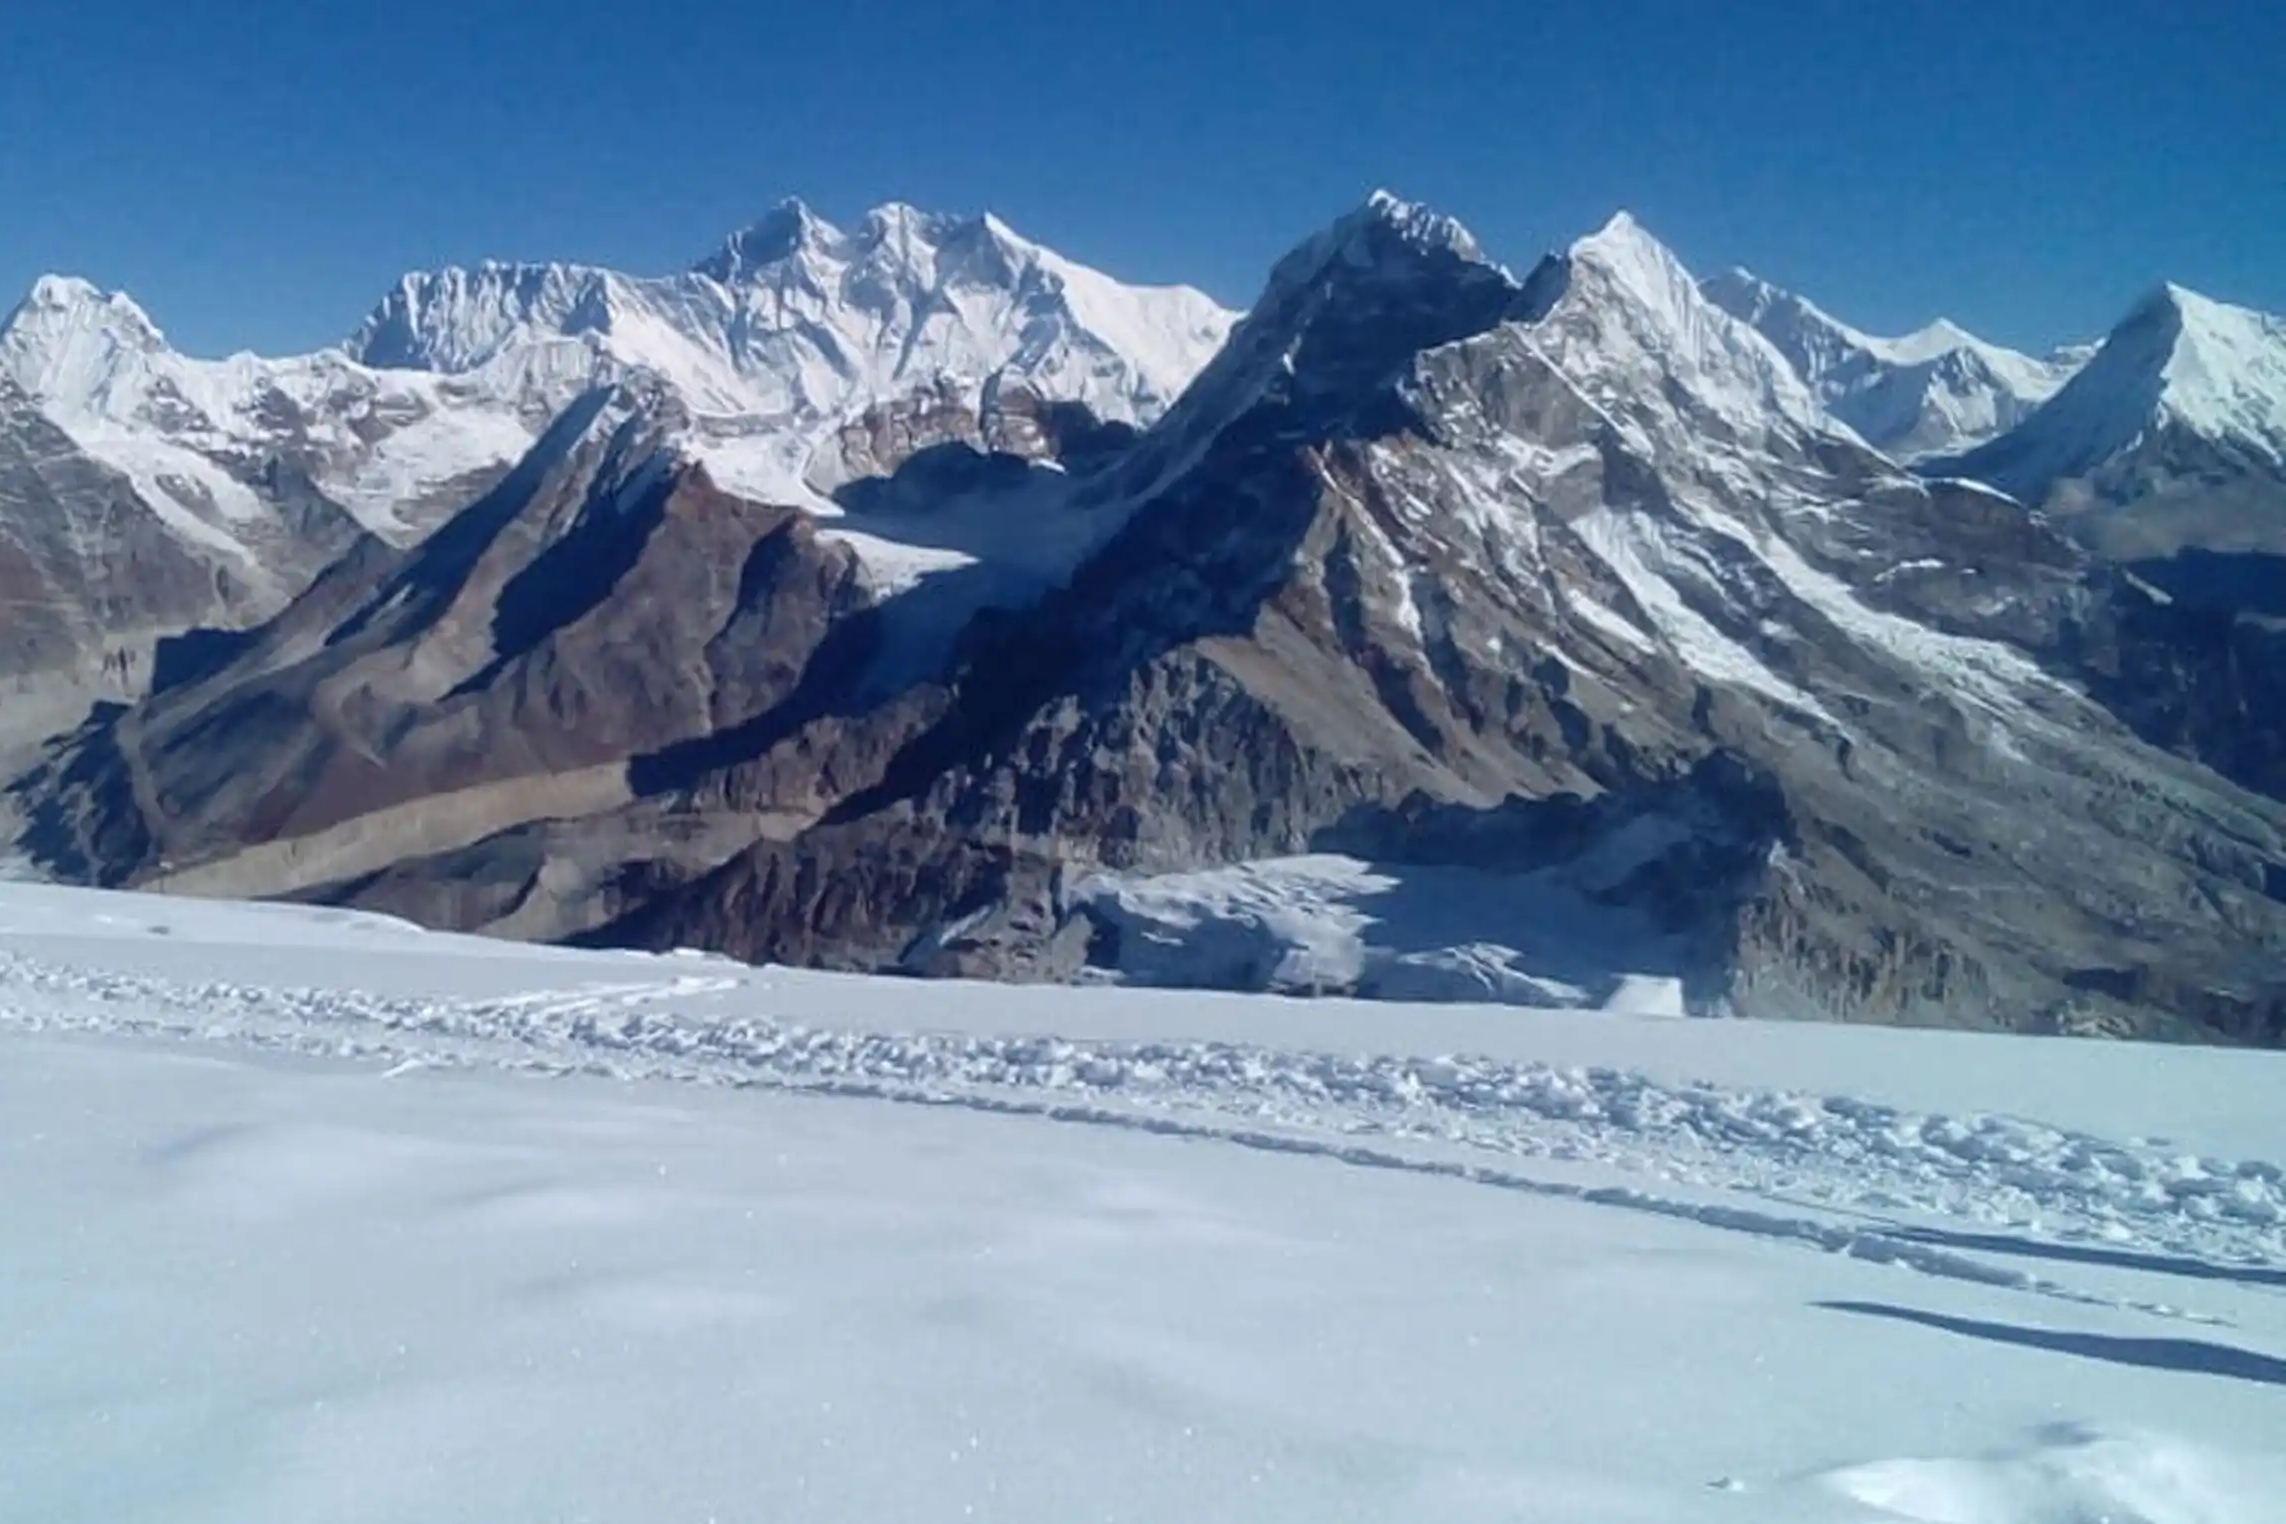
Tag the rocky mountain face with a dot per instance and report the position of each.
(1937, 391)
(602, 601)
(91, 578)
(1570, 580)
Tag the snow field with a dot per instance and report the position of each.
(314, 1215)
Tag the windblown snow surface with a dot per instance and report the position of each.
(316, 1216)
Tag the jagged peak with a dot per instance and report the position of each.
(1417, 224)
(892, 230)
(1383, 238)
(903, 219)
(777, 235)
(423, 285)
(1620, 301)
(1626, 257)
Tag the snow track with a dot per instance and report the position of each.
(1853, 1177)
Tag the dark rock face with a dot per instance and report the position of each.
(887, 893)
(2206, 682)
(90, 578)
(601, 603)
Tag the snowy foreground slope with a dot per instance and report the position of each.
(313, 1215)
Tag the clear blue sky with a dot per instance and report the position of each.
(257, 171)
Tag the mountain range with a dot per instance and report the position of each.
(910, 597)
(1935, 391)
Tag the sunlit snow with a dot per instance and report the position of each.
(314, 1215)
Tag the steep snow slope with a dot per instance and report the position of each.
(2174, 433)
(298, 1229)
(1654, 322)
(1936, 391)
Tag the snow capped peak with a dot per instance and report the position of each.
(68, 335)
(782, 231)
(796, 327)
(793, 238)
(1938, 338)
(1629, 309)
(1384, 241)
(2218, 369)
(1418, 225)
(89, 359)
(457, 319)
(1623, 240)
(2170, 299)
(1626, 253)
(897, 223)
(2180, 366)
(70, 293)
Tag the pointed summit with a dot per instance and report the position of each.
(1384, 240)
(70, 339)
(1624, 317)
(1627, 253)
(778, 234)
(61, 302)
(2166, 438)
(1619, 231)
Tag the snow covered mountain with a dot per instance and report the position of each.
(1567, 583)
(1427, 538)
(790, 334)
(794, 330)
(799, 359)
(2174, 434)
(216, 445)
(1935, 391)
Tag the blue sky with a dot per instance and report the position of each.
(256, 172)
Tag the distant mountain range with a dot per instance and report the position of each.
(1935, 391)
(911, 597)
